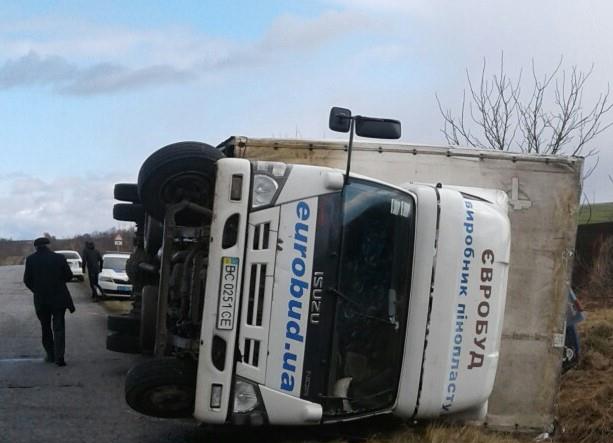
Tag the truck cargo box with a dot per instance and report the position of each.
(543, 194)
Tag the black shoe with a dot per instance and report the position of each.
(60, 362)
(49, 358)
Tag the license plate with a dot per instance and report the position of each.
(124, 288)
(227, 293)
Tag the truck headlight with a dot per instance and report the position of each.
(245, 397)
(248, 406)
(264, 190)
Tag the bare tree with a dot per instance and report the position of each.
(552, 120)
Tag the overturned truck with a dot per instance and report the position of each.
(273, 292)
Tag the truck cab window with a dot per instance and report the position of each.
(374, 285)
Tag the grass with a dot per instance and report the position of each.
(595, 213)
(586, 395)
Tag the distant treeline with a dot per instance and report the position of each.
(14, 252)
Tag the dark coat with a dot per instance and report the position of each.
(46, 275)
(92, 259)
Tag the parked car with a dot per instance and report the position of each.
(75, 262)
(113, 278)
(574, 315)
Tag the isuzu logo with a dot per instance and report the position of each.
(316, 296)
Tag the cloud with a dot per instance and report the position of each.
(62, 206)
(109, 78)
(108, 60)
(31, 69)
(65, 77)
(384, 6)
(298, 34)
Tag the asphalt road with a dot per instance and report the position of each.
(83, 402)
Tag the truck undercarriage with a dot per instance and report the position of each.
(172, 211)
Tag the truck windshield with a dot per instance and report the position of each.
(371, 299)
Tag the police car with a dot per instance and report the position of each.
(113, 278)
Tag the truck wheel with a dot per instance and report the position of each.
(162, 388)
(126, 192)
(177, 172)
(148, 317)
(130, 212)
(127, 344)
(154, 232)
(124, 324)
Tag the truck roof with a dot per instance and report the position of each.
(231, 144)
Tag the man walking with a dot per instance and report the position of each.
(46, 275)
(93, 260)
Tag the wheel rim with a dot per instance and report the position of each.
(190, 187)
(170, 398)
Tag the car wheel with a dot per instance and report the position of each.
(570, 356)
(126, 192)
(124, 324)
(154, 232)
(162, 388)
(130, 212)
(127, 344)
(177, 172)
(148, 317)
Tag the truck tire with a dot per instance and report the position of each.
(124, 324)
(162, 388)
(130, 212)
(148, 318)
(126, 192)
(154, 232)
(177, 172)
(127, 344)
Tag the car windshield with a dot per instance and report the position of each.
(372, 297)
(117, 264)
(71, 255)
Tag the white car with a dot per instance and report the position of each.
(113, 278)
(75, 262)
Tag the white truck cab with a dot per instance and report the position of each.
(309, 295)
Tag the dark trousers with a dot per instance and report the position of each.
(54, 332)
(93, 283)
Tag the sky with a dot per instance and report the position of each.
(88, 92)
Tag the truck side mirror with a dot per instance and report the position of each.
(377, 127)
(340, 119)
